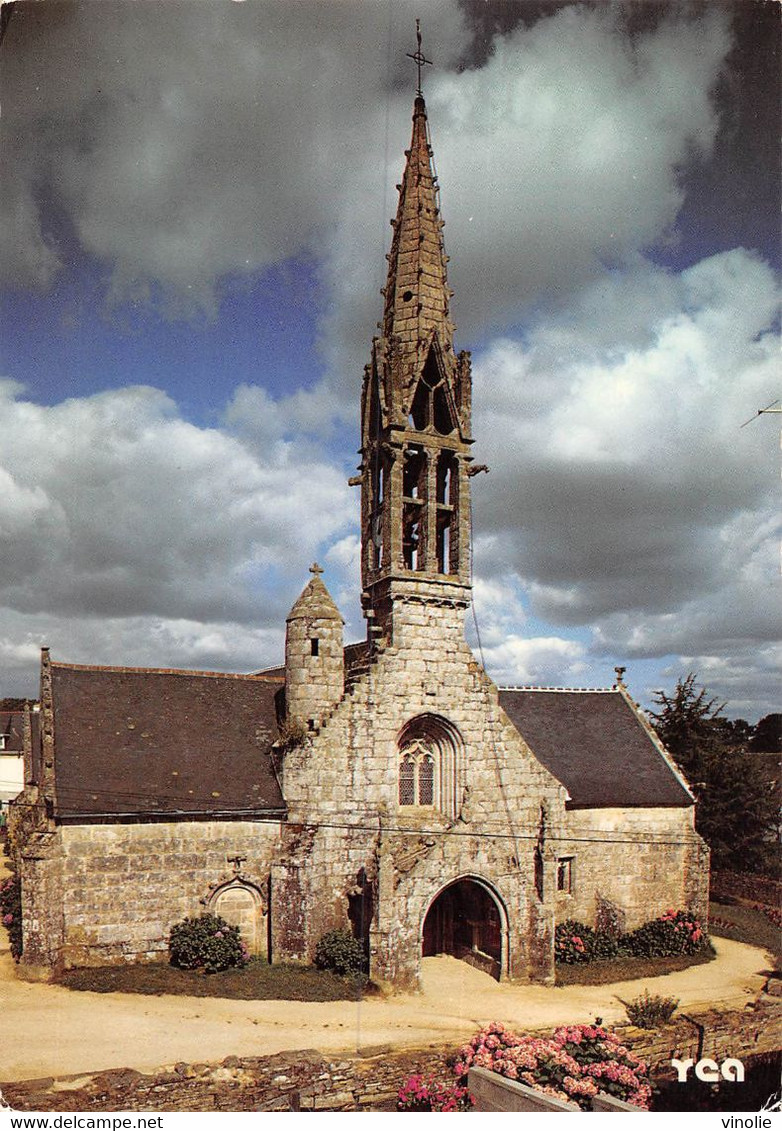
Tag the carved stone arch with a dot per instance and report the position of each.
(430, 762)
(468, 918)
(432, 406)
(243, 905)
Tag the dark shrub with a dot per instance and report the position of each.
(675, 932)
(649, 1011)
(11, 912)
(576, 942)
(206, 942)
(337, 950)
(605, 946)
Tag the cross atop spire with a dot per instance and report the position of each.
(419, 58)
(315, 568)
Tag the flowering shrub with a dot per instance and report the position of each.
(206, 942)
(650, 1010)
(11, 913)
(574, 1064)
(575, 942)
(675, 932)
(420, 1094)
(339, 951)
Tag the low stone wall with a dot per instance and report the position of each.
(739, 1034)
(310, 1081)
(292, 1081)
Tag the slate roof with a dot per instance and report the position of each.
(140, 741)
(12, 727)
(595, 744)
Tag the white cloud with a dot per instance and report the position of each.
(536, 661)
(248, 135)
(143, 641)
(623, 490)
(128, 510)
(187, 142)
(182, 152)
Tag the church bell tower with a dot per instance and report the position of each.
(415, 433)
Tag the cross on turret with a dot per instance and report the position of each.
(419, 58)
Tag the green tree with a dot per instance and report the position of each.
(767, 735)
(737, 811)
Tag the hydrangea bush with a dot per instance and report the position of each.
(675, 932)
(576, 942)
(11, 913)
(421, 1093)
(206, 942)
(574, 1064)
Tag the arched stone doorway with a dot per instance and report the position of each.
(240, 904)
(468, 921)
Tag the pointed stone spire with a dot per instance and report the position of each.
(416, 290)
(314, 601)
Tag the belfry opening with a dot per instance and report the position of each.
(466, 921)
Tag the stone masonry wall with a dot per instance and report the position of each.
(40, 870)
(122, 887)
(644, 875)
(344, 781)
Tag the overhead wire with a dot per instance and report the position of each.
(483, 833)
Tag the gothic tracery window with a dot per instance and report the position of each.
(416, 775)
(429, 764)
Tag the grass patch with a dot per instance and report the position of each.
(257, 981)
(626, 969)
(745, 924)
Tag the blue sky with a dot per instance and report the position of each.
(196, 201)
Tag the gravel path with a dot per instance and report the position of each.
(51, 1031)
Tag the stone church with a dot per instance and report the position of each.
(387, 786)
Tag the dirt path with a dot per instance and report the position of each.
(51, 1031)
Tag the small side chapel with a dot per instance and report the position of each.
(389, 785)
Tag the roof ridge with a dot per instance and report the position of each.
(539, 687)
(167, 671)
